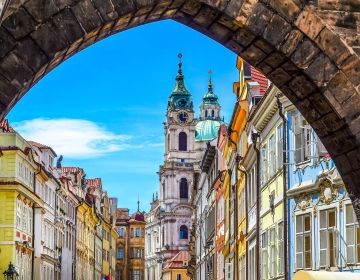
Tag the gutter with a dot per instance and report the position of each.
(285, 202)
(254, 137)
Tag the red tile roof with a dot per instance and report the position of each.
(6, 127)
(257, 76)
(71, 169)
(41, 146)
(94, 183)
(178, 260)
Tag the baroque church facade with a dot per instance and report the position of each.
(169, 222)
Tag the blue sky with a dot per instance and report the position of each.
(104, 108)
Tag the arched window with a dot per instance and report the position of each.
(212, 113)
(182, 141)
(184, 188)
(183, 232)
(206, 114)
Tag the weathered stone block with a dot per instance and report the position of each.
(309, 23)
(343, 164)
(291, 42)
(333, 46)
(301, 86)
(351, 68)
(49, 39)
(287, 8)
(264, 46)
(233, 8)
(305, 53)
(6, 42)
(321, 70)
(320, 103)
(276, 31)
(123, 7)
(279, 76)
(206, 16)
(275, 59)
(31, 54)
(228, 22)
(7, 91)
(341, 88)
(86, 15)
(253, 55)
(191, 7)
(106, 9)
(234, 46)
(259, 19)
(15, 70)
(243, 37)
(19, 24)
(42, 10)
(66, 23)
(264, 68)
(220, 32)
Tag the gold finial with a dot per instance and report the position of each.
(180, 59)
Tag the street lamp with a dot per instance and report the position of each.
(11, 273)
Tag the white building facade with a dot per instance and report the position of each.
(169, 223)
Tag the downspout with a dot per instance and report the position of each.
(55, 235)
(33, 231)
(235, 209)
(254, 137)
(247, 222)
(285, 204)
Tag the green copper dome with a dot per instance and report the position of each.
(180, 97)
(207, 130)
(210, 98)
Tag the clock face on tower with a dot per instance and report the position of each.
(183, 117)
(181, 103)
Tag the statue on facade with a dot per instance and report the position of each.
(58, 163)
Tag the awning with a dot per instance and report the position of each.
(325, 275)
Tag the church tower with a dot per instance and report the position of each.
(176, 175)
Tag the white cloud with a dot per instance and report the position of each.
(73, 138)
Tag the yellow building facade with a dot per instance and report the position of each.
(176, 267)
(17, 200)
(85, 238)
(268, 123)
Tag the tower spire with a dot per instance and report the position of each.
(138, 203)
(210, 87)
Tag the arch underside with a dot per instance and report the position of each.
(285, 39)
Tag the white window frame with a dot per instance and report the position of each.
(356, 244)
(303, 234)
(328, 231)
(264, 256)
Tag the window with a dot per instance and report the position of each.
(264, 164)
(272, 159)
(137, 232)
(121, 231)
(178, 277)
(303, 241)
(135, 275)
(279, 160)
(183, 232)
(252, 186)
(328, 238)
(183, 188)
(132, 232)
(281, 248)
(182, 141)
(302, 133)
(264, 256)
(242, 268)
(252, 262)
(352, 236)
(120, 253)
(206, 114)
(212, 113)
(272, 253)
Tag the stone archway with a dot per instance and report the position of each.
(286, 39)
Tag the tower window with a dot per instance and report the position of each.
(183, 232)
(206, 114)
(212, 113)
(182, 141)
(183, 188)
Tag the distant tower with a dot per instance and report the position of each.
(210, 107)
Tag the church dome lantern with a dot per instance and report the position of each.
(180, 98)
